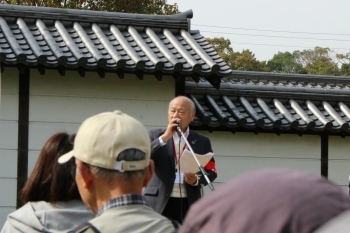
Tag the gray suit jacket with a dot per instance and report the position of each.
(158, 191)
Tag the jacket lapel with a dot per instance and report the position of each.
(192, 140)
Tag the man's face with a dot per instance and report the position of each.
(180, 108)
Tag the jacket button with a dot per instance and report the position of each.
(166, 195)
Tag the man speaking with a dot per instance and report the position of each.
(171, 191)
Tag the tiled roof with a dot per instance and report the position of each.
(55, 37)
(267, 102)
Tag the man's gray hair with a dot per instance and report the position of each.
(127, 155)
(193, 106)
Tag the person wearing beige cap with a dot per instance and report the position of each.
(112, 154)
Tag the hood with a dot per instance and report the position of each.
(42, 216)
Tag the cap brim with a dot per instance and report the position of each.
(66, 157)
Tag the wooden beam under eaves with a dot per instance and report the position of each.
(101, 73)
(120, 73)
(139, 74)
(158, 76)
(41, 69)
(61, 70)
(81, 72)
(179, 84)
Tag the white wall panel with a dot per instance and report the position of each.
(230, 167)
(109, 87)
(339, 148)
(8, 197)
(62, 103)
(8, 164)
(242, 152)
(9, 107)
(8, 141)
(8, 135)
(9, 81)
(339, 160)
(339, 171)
(264, 145)
(75, 110)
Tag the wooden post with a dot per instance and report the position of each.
(23, 130)
(324, 155)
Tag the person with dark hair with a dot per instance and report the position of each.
(271, 201)
(51, 196)
(112, 154)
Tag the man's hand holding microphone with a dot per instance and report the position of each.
(172, 127)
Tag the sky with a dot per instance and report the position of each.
(267, 27)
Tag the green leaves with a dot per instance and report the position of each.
(157, 7)
(318, 61)
(286, 63)
(244, 60)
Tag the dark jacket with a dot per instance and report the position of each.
(161, 185)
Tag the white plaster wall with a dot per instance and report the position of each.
(339, 160)
(239, 153)
(8, 142)
(61, 103)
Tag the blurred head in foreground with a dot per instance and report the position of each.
(274, 201)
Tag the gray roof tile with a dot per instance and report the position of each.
(267, 102)
(92, 39)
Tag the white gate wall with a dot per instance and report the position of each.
(8, 142)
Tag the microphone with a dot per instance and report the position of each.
(178, 127)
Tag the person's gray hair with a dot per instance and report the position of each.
(192, 105)
(127, 155)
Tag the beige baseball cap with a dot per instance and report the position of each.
(102, 137)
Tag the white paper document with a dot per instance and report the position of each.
(189, 164)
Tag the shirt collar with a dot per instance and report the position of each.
(176, 136)
(127, 199)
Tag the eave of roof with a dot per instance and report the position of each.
(278, 103)
(73, 39)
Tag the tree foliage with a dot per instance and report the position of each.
(317, 61)
(244, 60)
(344, 62)
(158, 7)
(286, 63)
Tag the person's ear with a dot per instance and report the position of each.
(149, 173)
(193, 115)
(85, 174)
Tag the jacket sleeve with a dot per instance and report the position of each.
(155, 144)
